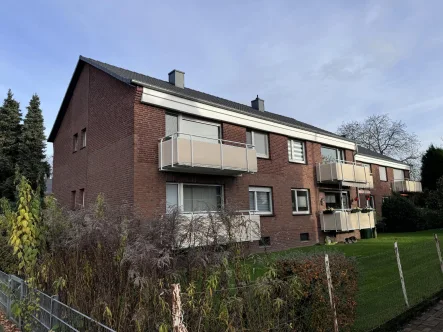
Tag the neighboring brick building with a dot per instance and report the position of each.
(107, 139)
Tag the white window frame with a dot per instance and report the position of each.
(83, 138)
(259, 155)
(385, 172)
(180, 195)
(82, 197)
(296, 202)
(338, 151)
(262, 189)
(290, 142)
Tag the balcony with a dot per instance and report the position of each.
(201, 229)
(197, 154)
(347, 173)
(406, 186)
(345, 220)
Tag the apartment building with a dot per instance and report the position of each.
(156, 144)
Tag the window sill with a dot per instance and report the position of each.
(83, 147)
(263, 157)
(265, 214)
(264, 246)
(301, 213)
(298, 162)
(74, 151)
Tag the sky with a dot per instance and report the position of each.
(321, 62)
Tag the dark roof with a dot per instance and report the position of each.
(366, 152)
(128, 76)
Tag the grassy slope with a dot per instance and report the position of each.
(380, 297)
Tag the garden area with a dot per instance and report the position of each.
(379, 297)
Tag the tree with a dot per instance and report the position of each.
(383, 135)
(32, 158)
(431, 167)
(10, 133)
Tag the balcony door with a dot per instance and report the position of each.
(330, 154)
(337, 200)
(399, 175)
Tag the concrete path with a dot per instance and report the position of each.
(429, 321)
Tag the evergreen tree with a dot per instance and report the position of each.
(432, 167)
(10, 133)
(32, 163)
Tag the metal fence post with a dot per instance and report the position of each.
(8, 300)
(400, 271)
(437, 243)
(330, 288)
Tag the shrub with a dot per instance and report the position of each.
(311, 272)
(400, 214)
(430, 219)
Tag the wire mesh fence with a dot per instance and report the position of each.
(50, 315)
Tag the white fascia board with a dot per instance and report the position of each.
(381, 162)
(169, 101)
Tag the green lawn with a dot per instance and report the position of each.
(380, 297)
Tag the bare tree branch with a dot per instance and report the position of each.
(381, 134)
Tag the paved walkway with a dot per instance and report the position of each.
(429, 321)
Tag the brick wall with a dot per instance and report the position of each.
(104, 106)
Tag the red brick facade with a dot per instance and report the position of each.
(121, 161)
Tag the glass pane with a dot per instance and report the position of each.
(328, 154)
(383, 176)
(248, 137)
(171, 124)
(263, 201)
(201, 198)
(187, 199)
(261, 143)
(171, 196)
(205, 130)
(251, 201)
(302, 201)
(333, 200)
(294, 197)
(399, 174)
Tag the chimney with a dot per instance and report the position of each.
(258, 104)
(177, 78)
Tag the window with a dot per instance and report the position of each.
(383, 175)
(265, 241)
(208, 131)
(296, 151)
(260, 200)
(304, 237)
(75, 142)
(337, 200)
(73, 200)
(399, 174)
(370, 202)
(384, 198)
(193, 198)
(83, 138)
(330, 154)
(171, 122)
(260, 141)
(300, 201)
(82, 197)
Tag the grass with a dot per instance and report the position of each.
(380, 296)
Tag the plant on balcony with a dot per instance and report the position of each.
(356, 210)
(366, 210)
(329, 210)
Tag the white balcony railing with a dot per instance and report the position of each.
(193, 153)
(244, 227)
(348, 173)
(407, 186)
(345, 220)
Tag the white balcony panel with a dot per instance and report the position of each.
(350, 174)
(407, 186)
(244, 228)
(343, 221)
(186, 154)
